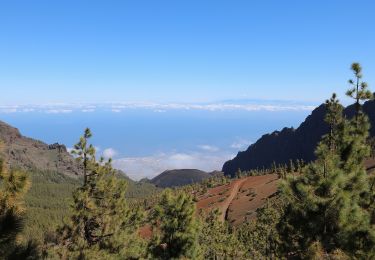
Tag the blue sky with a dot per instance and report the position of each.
(181, 51)
(175, 84)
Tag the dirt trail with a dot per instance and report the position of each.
(224, 207)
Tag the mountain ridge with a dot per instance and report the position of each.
(289, 143)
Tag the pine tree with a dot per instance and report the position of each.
(359, 91)
(355, 150)
(274, 167)
(283, 171)
(14, 185)
(217, 240)
(175, 228)
(260, 235)
(85, 153)
(325, 203)
(335, 120)
(239, 174)
(355, 134)
(299, 166)
(291, 168)
(102, 224)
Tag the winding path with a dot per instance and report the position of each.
(224, 207)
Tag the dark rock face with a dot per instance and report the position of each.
(56, 146)
(369, 109)
(26, 153)
(289, 144)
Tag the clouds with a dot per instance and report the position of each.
(59, 111)
(64, 108)
(9, 109)
(150, 166)
(220, 106)
(241, 144)
(206, 157)
(209, 148)
(57, 108)
(88, 110)
(109, 153)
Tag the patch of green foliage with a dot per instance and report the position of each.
(175, 228)
(140, 190)
(14, 184)
(47, 202)
(50, 196)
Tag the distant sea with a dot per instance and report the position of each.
(144, 142)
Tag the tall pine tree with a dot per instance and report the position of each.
(175, 228)
(102, 226)
(325, 204)
(359, 90)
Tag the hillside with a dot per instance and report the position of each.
(290, 143)
(26, 153)
(180, 177)
(239, 199)
(54, 176)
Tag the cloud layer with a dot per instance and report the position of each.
(150, 166)
(241, 144)
(64, 108)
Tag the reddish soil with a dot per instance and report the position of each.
(252, 195)
(239, 200)
(220, 197)
(370, 165)
(145, 232)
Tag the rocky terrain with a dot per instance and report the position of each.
(26, 153)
